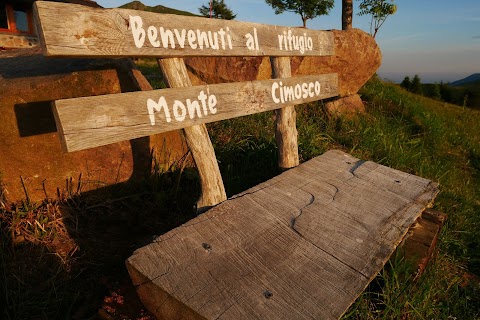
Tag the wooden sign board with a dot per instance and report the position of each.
(74, 30)
(94, 121)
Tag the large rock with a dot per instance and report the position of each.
(348, 106)
(29, 144)
(357, 58)
(228, 69)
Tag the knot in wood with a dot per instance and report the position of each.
(267, 294)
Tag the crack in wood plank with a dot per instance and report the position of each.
(321, 249)
(300, 210)
(151, 280)
(234, 303)
(247, 193)
(355, 166)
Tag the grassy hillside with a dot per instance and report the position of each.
(66, 257)
(407, 132)
(137, 5)
(440, 142)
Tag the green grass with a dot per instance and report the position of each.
(439, 142)
(150, 69)
(433, 140)
(401, 130)
(407, 132)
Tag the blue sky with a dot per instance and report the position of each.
(436, 39)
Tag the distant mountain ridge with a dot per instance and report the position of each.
(468, 80)
(137, 5)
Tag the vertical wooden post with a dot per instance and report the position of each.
(213, 190)
(285, 123)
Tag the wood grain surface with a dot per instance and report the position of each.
(84, 31)
(213, 191)
(285, 120)
(302, 245)
(89, 122)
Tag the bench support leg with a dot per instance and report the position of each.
(286, 121)
(198, 140)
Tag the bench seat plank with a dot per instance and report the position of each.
(302, 245)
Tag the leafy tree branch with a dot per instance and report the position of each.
(307, 9)
(379, 10)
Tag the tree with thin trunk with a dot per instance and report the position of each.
(347, 14)
(379, 10)
(307, 9)
(217, 9)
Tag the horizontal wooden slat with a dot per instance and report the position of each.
(94, 121)
(73, 30)
(302, 245)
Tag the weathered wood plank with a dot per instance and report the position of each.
(302, 245)
(213, 190)
(94, 121)
(89, 32)
(419, 245)
(285, 121)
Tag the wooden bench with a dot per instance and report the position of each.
(302, 245)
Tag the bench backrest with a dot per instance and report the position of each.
(72, 30)
(68, 30)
